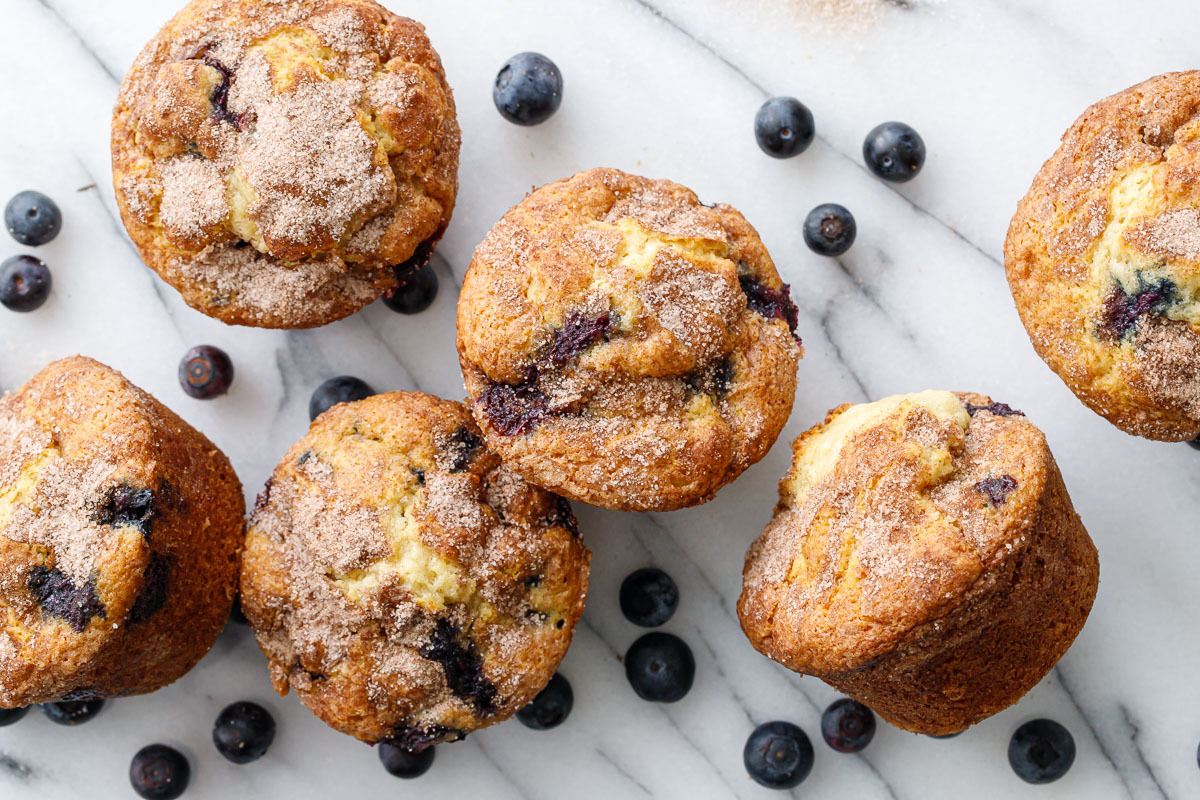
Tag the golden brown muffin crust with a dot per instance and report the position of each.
(402, 581)
(935, 572)
(1103, 258)
(624, 344)
(273, 161)
(120, 528)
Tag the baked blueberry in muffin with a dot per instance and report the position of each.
(273, 161)
(120, 528)
(1103, 258)
(624, 344)
(924, 559)
(402, 581)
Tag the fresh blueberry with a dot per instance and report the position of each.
(847, 726)
(415, 293)
(243, 732)
(205, 372)
(649, 597)
(159, 772)
(1195, 443)
(72, 712)
(32, 218)
(405, 763)
(660, 667)
(528, 89)
(829, 230)
(778, 755)
(1041, 751)
(784, 127)
(10, 716)
(551, 706)
(342, 389)
(894, 152)
(24, 283)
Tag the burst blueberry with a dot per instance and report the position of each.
(243, 732)
(342, 389)
(528, 89)
(405, 763)
(551, 707)
(10, 716)
(847, 726)
(72, 712)
(24, 283)
(784, 127)
(159, 772)
(778, 755)
(648, 597)
(829, 229)
(32, 218)
(660, 667)
(205, 372)
(1041, 751)
(894, 152)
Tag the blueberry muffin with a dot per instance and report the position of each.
(625, 345)
(1103, 258)
(120, 527)
(402, 581)
(274, 161)
(924, 559)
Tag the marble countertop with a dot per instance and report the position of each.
(666, 88)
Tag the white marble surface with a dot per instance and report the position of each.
(667, 88)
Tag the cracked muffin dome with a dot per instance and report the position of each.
(402, 581)
(924, 559)
(120, 527)
(625, 345)
(273, 161)
(1103, 258)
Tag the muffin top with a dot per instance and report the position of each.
(624, 344)
(98, 488)
(404, 582)
(890, 513)
(273, 161)
(1103, 258)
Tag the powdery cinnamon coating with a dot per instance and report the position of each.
(274, 160)
(625, 345)
(1103, 258)
(937, 594)
(402, 581)
(120, 529)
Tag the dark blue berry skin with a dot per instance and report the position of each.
(778, 755)
(528, 89)
(342, 389)
(159, 772)
(243, 732)
(660, 667)
(1195, 443)
(24, 283)
(894, 151)
(829, 230)
(72, 712)
(205, 372)
(32, 218)
(648, 597)
(415, 293)
(551, 707)
(1041, 751)
(405, 763)
(847, 726)
(784, 127)
(10, 716)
